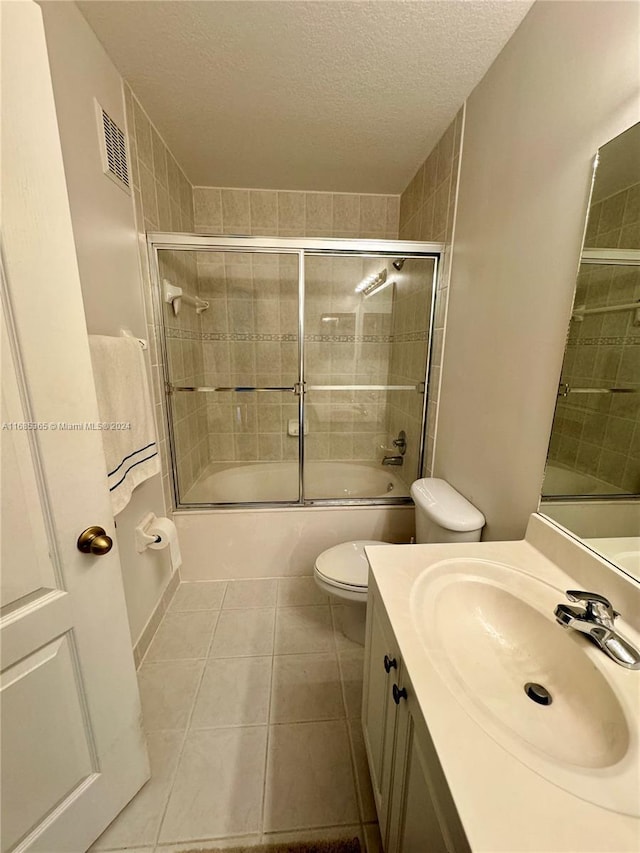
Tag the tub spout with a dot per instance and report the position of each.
(392, 460)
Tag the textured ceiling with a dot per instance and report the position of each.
(336, 96)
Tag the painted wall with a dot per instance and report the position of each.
(107, 252)
(566, 82)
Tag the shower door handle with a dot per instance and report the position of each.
(208, 389)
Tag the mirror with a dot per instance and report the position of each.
(592, 477)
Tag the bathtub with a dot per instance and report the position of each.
(264, 482)
(624, 551)
(559, 480)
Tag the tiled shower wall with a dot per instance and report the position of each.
(249, 336)
(427, 208)
(186, 368)
(597, 434)
(163, 199)
(348, 340)
(409, 342)
(277, 213)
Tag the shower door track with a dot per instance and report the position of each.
(159, 241)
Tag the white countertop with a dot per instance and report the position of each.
(503, 804)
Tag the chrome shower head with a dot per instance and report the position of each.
(399, 263)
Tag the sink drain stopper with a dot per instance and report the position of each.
(538, 693)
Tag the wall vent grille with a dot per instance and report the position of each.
(113, 149)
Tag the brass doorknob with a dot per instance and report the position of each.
(94, 540)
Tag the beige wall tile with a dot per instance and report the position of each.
(264, 211)
(235, 210)
(373, 213)
(319, 211)
(142, 128)
(207, 204)
(291, 211)
(346, 213)
(159, 159)
(148, 194)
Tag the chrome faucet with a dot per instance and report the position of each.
(401, 443)
(392, 460)
(596, 621)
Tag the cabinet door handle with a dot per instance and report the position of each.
(398, 694)
(389, 664)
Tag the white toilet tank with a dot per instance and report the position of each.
(444, 515)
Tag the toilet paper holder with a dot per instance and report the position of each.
(144, 539)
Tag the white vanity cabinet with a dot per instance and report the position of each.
(415, 809)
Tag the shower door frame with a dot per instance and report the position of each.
(167, 241)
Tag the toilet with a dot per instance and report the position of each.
(442, 515)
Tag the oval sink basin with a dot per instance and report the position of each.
(490, 632)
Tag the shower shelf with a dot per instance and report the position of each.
(175, 296)
(580, 312)
(564, 390)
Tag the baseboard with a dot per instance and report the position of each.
(147, 635)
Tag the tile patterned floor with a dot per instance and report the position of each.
(251, 700)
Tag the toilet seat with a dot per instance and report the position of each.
(345, 566)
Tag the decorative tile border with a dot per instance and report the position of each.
(406, 337)
(190, 335)
(621, 341)
(348, 339)
(182, 334)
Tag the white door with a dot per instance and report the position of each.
(73, 752)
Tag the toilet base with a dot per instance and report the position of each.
(353, 620)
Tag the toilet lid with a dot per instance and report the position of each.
(346, 564)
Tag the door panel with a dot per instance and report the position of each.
(72, 743)
(366, 344)
(232, 371)
(24, 539)
(53, 735)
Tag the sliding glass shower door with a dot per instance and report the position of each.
(365, 354)
(234, 366)
(296, 371)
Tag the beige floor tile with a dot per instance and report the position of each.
(296, 592)
(218, 786)
(309, 778)
(234, 692)
(372, 838)
(305, 687)
(250, 593)
(301, 630)
(241, 633)
(138, 823)
(182, 636)
(366, 800)
(167, 691)
(198, 595)
(351, 662)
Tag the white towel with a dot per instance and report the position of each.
(123, 398)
